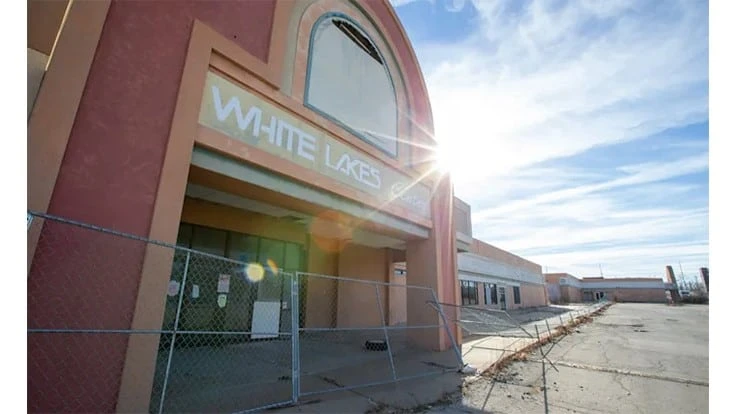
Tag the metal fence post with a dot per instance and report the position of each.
(295, 357)
(447, 330)
(385, 332)
(544, 371)
(173, 335)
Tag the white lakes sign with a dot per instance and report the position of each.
(246, 117)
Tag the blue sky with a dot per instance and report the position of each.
(577, 130)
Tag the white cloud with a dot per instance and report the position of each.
(631, 261)
(542, 83)
(614, 222)
(539, 81)
(638, 174)
(449, 5)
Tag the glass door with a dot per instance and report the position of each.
(267, 309)
(244, 248)
(502, 297)
(200, 310)
(218, 294)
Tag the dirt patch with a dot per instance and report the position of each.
(446, 400)
(624, 325)
(507, 377)
(500, 372)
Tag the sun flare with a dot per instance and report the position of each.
(447, 159)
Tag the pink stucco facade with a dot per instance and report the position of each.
(487, 267)
(566, 288)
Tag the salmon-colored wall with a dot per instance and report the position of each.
(205, 213)
(109, 177)
(397, 300)
(129, 99)
(510, 297)
(571, 294)
(492, 252)
(532, 295)
(575, 295)
(321, 298)
(432, 263)
(44, 21)
(634, 295)
(554, 278)
(627, 279)
(445, 236)
(481, 294)
(357, 303)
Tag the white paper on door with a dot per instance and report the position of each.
(266, 317)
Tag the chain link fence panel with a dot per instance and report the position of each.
(190, 331)
(347, 342)
(218, 341)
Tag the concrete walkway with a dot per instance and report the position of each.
(421, 394)
(634, 358)
(482, 353)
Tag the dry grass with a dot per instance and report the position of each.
(523, 354)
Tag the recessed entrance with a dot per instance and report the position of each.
(240, 300)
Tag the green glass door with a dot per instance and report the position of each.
(244, 248)
(218, 294)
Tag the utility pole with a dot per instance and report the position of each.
(601, 269)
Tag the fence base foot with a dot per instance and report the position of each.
(467, 369)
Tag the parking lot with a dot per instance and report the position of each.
(647, 358)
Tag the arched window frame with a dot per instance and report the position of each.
(384, 62)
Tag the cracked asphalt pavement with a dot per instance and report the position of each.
(634, 358)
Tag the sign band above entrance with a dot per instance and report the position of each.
(234, 111)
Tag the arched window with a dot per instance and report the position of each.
(348, 81)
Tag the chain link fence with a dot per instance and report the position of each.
(352, 344)
(492, 338)
(114, 318)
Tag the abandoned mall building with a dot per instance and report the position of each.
(566, 288)
(296, 135)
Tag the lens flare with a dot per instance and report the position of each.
(328, 233)
(273, 266)
(254, 272)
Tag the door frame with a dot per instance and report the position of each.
(502, 297)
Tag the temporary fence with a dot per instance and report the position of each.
(115, 319)
(491, 337)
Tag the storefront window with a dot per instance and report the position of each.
(348, 81)
(218, 295)
(469, 291)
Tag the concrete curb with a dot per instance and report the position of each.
(544, 338)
